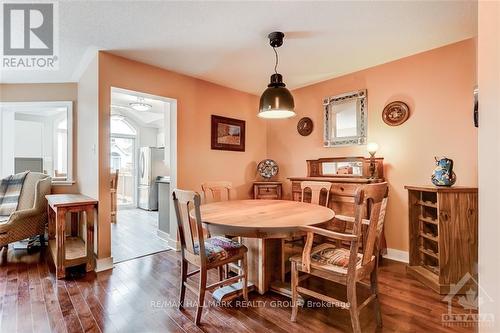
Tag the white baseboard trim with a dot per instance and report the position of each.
(397, 255)
(163, 235)
(172, 243)
(103, 264)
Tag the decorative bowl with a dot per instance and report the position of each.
(267, 169)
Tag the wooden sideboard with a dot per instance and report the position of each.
(443, 236)
(344, 185)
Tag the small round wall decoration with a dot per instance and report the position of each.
(305, 126)
(395, 113)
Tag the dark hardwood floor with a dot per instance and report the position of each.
(140, 295)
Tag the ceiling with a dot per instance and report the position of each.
(226, 42)
(154, 117)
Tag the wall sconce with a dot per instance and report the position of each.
(372, 148)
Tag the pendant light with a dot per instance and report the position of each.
(276, 101)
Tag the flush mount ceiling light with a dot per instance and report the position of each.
(276, 101)
(140, 105)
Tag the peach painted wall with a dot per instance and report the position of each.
(47, 92)
(437, 85)
(196, 101)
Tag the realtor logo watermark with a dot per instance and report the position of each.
(30, 36)
(474, 297)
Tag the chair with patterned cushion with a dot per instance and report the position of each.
(213, 252)
(344, 266)
(30, 217)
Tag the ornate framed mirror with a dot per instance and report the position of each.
(345, 119)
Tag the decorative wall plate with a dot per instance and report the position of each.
(305, 126)
(267, 168)
(395, 113)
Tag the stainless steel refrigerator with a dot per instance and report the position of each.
(151, 166)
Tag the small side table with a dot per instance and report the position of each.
(71, 250)
(268, 190)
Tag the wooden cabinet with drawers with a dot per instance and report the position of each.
(267, 190)
(346, 174)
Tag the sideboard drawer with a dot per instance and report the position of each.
(344, 189)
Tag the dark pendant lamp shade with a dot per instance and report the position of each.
(276, 101)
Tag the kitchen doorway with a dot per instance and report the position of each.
(141, 153)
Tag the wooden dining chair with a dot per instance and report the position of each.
(316, 189)
(341, 265)
(291, 246)
(348, 222)
(216, 191)
(213, 252)
(113, 191)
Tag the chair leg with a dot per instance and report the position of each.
(42, 240)
(374, 289)
(222, 272)
(353, 308)
(245, 277)
(295, 296)
(184, 268)
(201, 294)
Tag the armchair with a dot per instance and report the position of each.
(344, 266)
(30, 217)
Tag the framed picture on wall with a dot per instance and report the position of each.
(228, 133)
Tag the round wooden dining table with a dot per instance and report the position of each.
(262, 218)
(262, 224)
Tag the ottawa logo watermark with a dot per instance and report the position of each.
(30, 36)
(474, 297)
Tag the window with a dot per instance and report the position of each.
(37, 137)
(120, 126)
